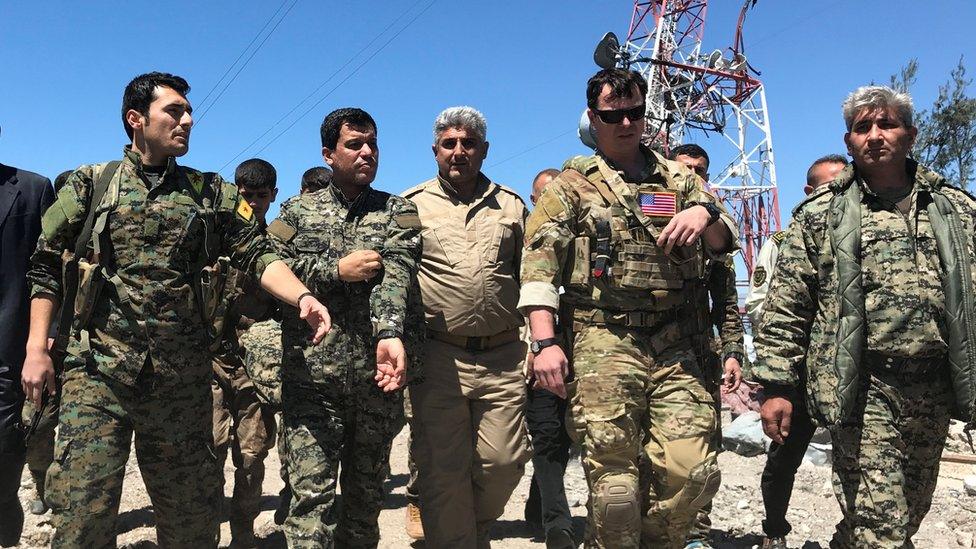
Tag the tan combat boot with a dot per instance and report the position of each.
(415, 528)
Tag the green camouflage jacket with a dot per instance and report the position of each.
(840, 291)
(154, 243)
(317, 230)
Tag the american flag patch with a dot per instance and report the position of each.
(660, 204)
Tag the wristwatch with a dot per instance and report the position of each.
(712, 210)
(540, 344)
(386, 334)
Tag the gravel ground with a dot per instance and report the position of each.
(736, 520)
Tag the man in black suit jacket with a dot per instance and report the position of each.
(23, 198)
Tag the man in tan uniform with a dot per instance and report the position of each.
(471, 442)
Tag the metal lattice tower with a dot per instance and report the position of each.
(691, 92)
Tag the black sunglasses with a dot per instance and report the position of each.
(616, 116)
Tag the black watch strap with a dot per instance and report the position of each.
(386, 334)
(712, 210)
(540, 344)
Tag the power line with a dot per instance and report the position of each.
(246, 61)
(532, 148)
(337, 86)
(322, 85)
(246, 48)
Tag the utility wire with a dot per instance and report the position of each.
(532, 148)
(246, 61)
(334, 88)
(246, 48)
(322, 85)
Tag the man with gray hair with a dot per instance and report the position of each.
(872, 307)
(470, 437)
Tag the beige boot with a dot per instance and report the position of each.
(415, 528)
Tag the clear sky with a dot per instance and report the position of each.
(523, 64)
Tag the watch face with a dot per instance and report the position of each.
(534, 347)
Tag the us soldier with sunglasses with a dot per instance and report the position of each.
(626, 233)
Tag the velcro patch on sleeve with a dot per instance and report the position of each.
(407, 221)
(281, 230)
(658, 204)
(244, 210)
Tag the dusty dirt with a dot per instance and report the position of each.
(736, 517)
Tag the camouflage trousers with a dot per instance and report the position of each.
(413, 486)
(174, 446)
(886, 456)
(40, 447)
(330, 432)
(645, 414)
(245, 428)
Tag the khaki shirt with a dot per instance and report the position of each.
(469, 271)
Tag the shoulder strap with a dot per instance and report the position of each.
(101, 185)
(70, 276)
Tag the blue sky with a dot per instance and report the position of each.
(524, 64)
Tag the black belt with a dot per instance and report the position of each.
(476, 344)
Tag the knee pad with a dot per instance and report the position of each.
(615, 503)
(701, 486)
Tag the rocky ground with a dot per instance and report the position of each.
(736, 517)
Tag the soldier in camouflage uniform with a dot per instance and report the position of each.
(263, 360)
(783, 460)
(136, 360)
(626, 233)
(243, 425)
(726, 355)
(358, 247)
(872, 305)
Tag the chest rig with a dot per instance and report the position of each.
(93, 263)
(620, 247)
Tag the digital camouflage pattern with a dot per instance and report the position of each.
(139, 364)
(901, 278)
(40, 447)
(642, 403)
(243, 426)
(332, 410)
(262, 362)
(174, 447)
(886, 456)
(889, 435)
(154, 242)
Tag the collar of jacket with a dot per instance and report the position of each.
(136, 159)
(480, 188)
(951, 241)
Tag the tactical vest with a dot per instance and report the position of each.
(624, 253)
(97, 267)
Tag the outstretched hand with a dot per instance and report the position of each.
(391, 364)
(312, 311)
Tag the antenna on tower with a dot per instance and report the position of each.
(693, 93)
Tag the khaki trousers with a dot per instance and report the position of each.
(472, 443)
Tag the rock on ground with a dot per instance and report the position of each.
(736, 518)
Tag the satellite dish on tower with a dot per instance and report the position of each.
(585, 132)
(607, 51)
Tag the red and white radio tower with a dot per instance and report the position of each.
(690, 91)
